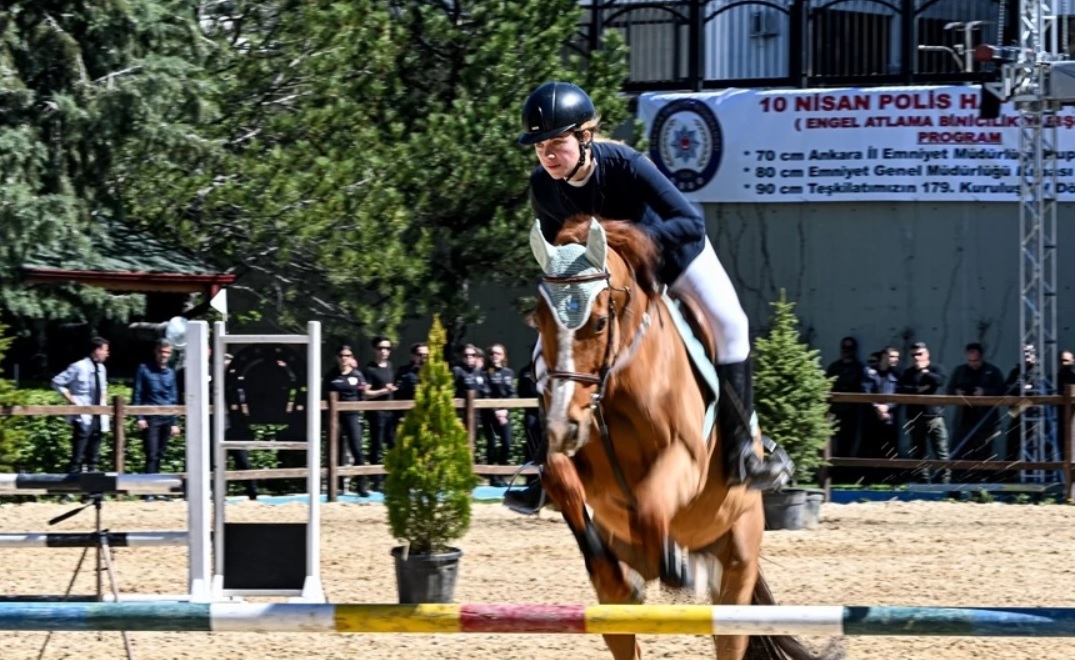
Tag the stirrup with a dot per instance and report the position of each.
(778, 458)
(512, 496)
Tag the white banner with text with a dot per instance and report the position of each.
(883, 144)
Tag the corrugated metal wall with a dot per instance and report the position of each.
(751, 40)
(747, 40)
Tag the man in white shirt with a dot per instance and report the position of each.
(85, 383)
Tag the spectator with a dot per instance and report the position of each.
(85, 383)
(882, 430)
(977, 427)
(468, 377)
(925, 423)
(496, 424)
(236, 425)
(155, 385)
(1018, 385)
(409, 375)
(1064, 377)
(350, 384)
(849, 373)
(381, 386)
(531, 417)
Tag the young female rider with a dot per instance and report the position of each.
(578, 175)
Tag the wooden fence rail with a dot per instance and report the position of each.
(333, 472)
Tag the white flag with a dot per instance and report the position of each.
(219, 302)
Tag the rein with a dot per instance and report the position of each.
(611, 363)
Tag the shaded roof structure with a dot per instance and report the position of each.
(125, 259)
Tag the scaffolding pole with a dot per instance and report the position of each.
(1027, 80)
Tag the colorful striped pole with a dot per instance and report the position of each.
(550, 619)
(90, 482)
(89, 540)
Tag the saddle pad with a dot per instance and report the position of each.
(701, 361)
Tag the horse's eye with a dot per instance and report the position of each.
(602, 323)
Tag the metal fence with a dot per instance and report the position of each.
(707, 44)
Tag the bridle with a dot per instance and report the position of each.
(614, 360)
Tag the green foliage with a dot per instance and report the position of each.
(11, 436)
(427, 490)
(86, 89)
(366, 168)
(791, 391)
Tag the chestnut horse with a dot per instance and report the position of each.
(624, 419)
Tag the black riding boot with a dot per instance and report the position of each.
(528, 501)
(741, 463)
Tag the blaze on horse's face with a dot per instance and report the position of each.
(573, 319)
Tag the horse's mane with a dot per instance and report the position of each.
(627, 239)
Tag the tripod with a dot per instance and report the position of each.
(104, 557)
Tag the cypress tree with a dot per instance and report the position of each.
(791, 391)
(430, 475)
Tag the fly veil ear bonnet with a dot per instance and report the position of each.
(571, 301)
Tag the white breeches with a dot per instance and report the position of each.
(706, 281)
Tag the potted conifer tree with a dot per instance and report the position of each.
(791, 394)
(428, 485)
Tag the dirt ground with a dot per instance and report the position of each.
(863, 554)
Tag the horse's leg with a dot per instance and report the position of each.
(611, 581)
(738, 553)
(670, 484)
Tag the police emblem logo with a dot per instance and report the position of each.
(686, 143)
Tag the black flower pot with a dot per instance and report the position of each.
(426, 578)
(792, 508)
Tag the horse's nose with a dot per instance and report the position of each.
(564, 436)
(573, 429)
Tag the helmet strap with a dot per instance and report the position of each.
(584, 148)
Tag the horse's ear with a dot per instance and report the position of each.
(596, 244)
(539, 246)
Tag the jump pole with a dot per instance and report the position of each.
(90, 540)
(545, 619)
(199, 504)
(88, 482)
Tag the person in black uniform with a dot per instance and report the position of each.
(496, 424)
(580, 174)
(408, 375)
(381, 377)
(882, 428)
(349, 383)
(925, 423)
(469, 377)
(531, 420)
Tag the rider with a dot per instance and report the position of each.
(581, 174)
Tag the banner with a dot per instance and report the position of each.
(912, 144)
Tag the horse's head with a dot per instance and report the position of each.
(584, 314)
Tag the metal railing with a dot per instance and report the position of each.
(709, 44)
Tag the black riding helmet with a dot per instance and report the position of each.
(554, 109)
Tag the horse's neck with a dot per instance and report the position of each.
(658, 359)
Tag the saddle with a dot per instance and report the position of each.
(701, 345)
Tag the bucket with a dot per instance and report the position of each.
(785, 509)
